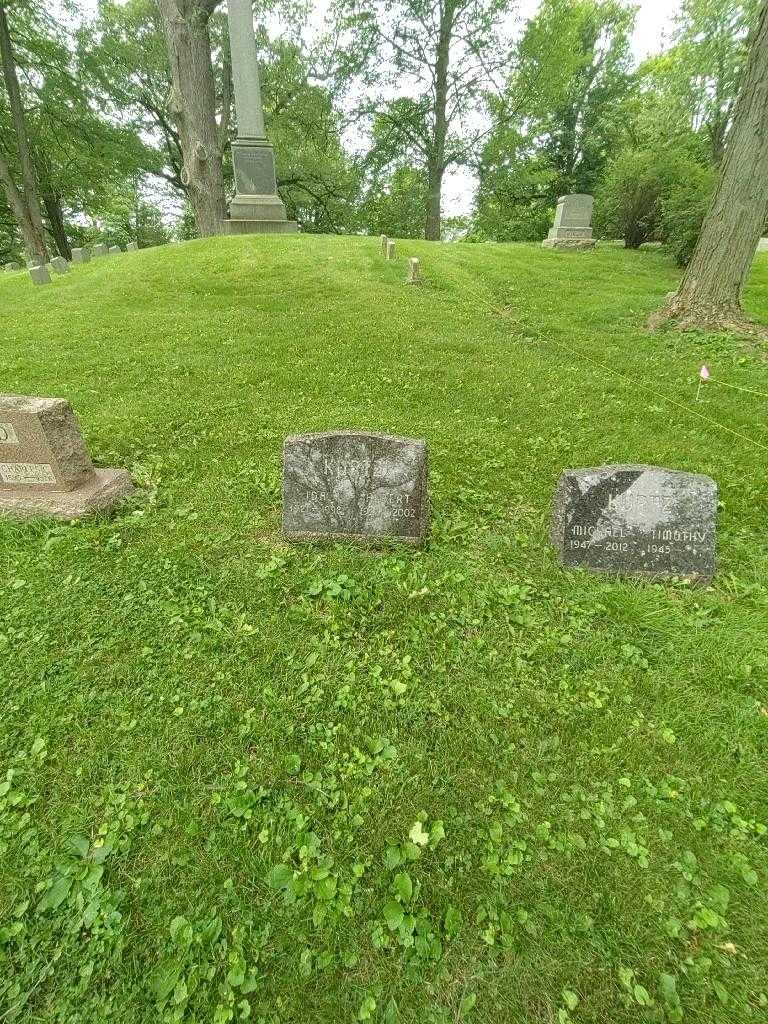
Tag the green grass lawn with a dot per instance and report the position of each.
(309, 784)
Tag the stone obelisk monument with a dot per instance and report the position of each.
(256, 207)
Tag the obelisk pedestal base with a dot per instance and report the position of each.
(257, 208)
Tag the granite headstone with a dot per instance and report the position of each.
(80, 256)
(131, 247)
(45, 468)
(637, 520)
(355, 485)
(572, 228)
(101, 249)
(414, 271)
(60, 265)
(114, 250)
(40, 275)
(11, 267)
(390, 250)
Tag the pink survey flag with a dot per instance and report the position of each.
(704, 373)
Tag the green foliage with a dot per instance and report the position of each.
(684, 207)
(248, 780)
(691, 88)
(637, 186)
(395, 206)
(562, 114)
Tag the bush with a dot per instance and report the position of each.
(630, 202)
(683, 210)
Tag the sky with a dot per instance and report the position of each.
(653, 25)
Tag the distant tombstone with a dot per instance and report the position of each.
(355, 485)
(114, 250)
(637, 520)
(60, 265)
(131, 247)
(390, 250)
(45, 468)
(383, 241)
(101, 249)
(11, 267)
(414, 271)
(40, 275)
(573, 220)
(80, 256)
(762, 245)
(34, 261)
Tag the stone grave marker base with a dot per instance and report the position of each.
(105, 489)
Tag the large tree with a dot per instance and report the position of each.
(193, 107)
(691, 88)
(444, 54)
(709, 295)
(23, 198)
(560, 117)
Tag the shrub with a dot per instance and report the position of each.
(684, 207)
(630, 201)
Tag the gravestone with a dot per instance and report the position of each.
(114, 250)
(40, 275)
(256, 208)
(414, 271)
(390, 250)
(45, 468)
(80, 256)
(762, 245)
(355, 485)
(101, 249)
(131, 247)
(60, 265)
(35, 261)
(11, 267)
(573, 220)
(383, 240)
(636, 520)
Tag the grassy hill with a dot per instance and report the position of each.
(224, 753)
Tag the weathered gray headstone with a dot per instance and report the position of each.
(383, 240)
(80, 256)
(131, 247)
(34, 261)
(101, 249)
(354, 485)
(45, 468)
(60, 265)
(40, 275)
(114, 250)
(11, 267)
(637, 520)
(572, 228)
(390, 250)
(414, 271)
(762, 245)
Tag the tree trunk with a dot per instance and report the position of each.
(193, 105)
(56, 224)
(32, 226)
(432, 230)
(436, 158)
(20, 211)
(709, 295)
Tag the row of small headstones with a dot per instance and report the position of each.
(369, 487)
(41, 272)
(388, 251)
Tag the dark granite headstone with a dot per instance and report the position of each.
(636, 520)
(354, 485)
